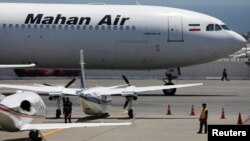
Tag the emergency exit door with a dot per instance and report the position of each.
(175, 29)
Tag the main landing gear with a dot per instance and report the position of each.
(169, 92)
(129, 103)
(34, 135)
(59, 97)
(58, 101)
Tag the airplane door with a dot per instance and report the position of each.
(175, 29)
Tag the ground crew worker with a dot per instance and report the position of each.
(67, 110)
(203, 118)
(224, 75)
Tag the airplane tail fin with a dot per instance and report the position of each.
(82, 77)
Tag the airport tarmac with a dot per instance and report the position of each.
(151, 121)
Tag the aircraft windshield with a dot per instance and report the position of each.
(225, 27)
(217, 27)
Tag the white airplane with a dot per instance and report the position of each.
(96, 100)
(20, 111)
(112, 36)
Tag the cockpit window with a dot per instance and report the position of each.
(210, 27)
(225, 27)
(217, 27)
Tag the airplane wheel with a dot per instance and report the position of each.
(58, 113)
(33, 135)
(130, 113)
(169, 92)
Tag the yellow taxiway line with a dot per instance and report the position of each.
(51, 132)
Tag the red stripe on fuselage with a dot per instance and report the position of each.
(3, 108)
(195, 29)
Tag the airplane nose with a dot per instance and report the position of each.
(238, 41)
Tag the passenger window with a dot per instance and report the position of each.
(109, 27)
(103, 27)
(90, 27)
(66, 27)
(17, 26)
(23, 26)
(29, 26)
(10, 26)
(210, 27)
(41, 26)
(47, 26)
(217, 27)
(53, 26)
(59, 26)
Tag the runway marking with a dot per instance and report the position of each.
(120, 112)
(51, 132)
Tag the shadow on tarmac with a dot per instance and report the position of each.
(19, 139)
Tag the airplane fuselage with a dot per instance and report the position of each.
(94, 104)
(111, 36)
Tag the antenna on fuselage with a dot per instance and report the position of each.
(82, 69)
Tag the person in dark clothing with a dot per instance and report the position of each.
(67, 110)
(224, 75)
(203, 118)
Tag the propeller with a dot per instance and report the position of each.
(126, 80)
(66, 86)
(127, 99)
(70, 83)
(126, 103)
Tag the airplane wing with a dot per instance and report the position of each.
(133, 89)
(71, 125)
(17, 66)
(40, 88)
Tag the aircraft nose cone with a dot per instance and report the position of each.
(238, 41)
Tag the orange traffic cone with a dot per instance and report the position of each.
(192, 111)
(240, 120)
(222, 114)
(169, 110)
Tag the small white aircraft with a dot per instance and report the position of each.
(96, 100)
(20, 110)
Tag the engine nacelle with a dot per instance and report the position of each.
(25, 105)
